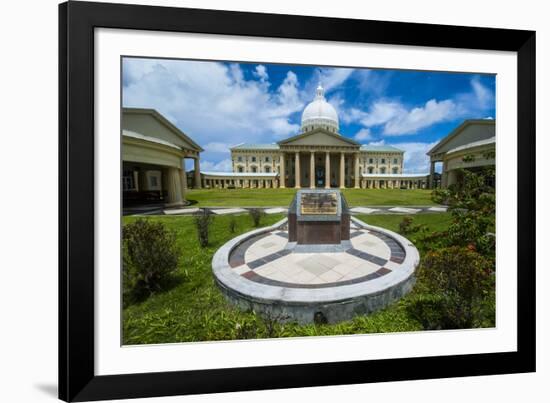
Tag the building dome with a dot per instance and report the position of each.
(319, 114)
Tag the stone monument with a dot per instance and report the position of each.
(318, 217)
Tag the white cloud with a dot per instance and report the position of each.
(476, 101)
(363, 134)
(409, 122)
(377, 143)
(222, 166)
(396, 119)
(415, 158)
(372, 82)
(213, 102)
(382, 112)
(331, 78)
(484, 96)
(261, 72)
(217, 147)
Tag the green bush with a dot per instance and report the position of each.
(406, 226)
(426, 309)
(256, 214)
(472, 204)
(461, 283)
(232, 224)
(150, 257)
(202, 223)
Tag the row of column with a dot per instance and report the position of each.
(297, 172)
(241, 183)
(393, 184)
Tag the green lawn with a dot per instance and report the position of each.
(195, 310)
(283, 197)
(433, 222)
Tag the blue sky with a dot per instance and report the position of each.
(222, 104)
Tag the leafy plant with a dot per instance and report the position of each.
(472, 204)
(256, 214)
(150, 257)
(232, 224)
(460, 280)
(406, 226)
(203, 219)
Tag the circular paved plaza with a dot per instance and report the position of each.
(262, 271)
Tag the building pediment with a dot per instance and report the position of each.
(469, 131)
(152, 124)
(319, 138)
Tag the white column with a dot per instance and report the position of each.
(327, 171)
(282, 170)
(342, 171)
(172, 183)
(356, 171)
(183, 183)
(297, 170)
(197, 173)
(432, 171)
(184, 178)
(312, 170)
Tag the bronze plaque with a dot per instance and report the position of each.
(319, 203)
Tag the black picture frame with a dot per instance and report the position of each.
(77, 379)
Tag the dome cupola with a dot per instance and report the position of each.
(319, 114)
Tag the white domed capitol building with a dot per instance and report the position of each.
(318, 157)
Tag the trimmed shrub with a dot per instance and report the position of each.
(232, 224)
(202, 224)
(407, 227)
(256, 214)
(150, 257)
(426, 309)
(461, 284)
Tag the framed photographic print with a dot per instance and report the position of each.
(258, 201)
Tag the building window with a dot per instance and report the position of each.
(395, 160)
(266, 159)
(267, 169)
(240, 169)
(254, 169)
(371, 161)
(240, 158)
(394, 170)
(253, 159)
(370, 170)
(383, 161)
(383, 170)
(153, 181)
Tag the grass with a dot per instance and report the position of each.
(433, 222)
(283, 197)
(195, 310)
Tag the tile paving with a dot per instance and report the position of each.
(278, 210)
(270, 259)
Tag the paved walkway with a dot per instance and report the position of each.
(276, 210)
